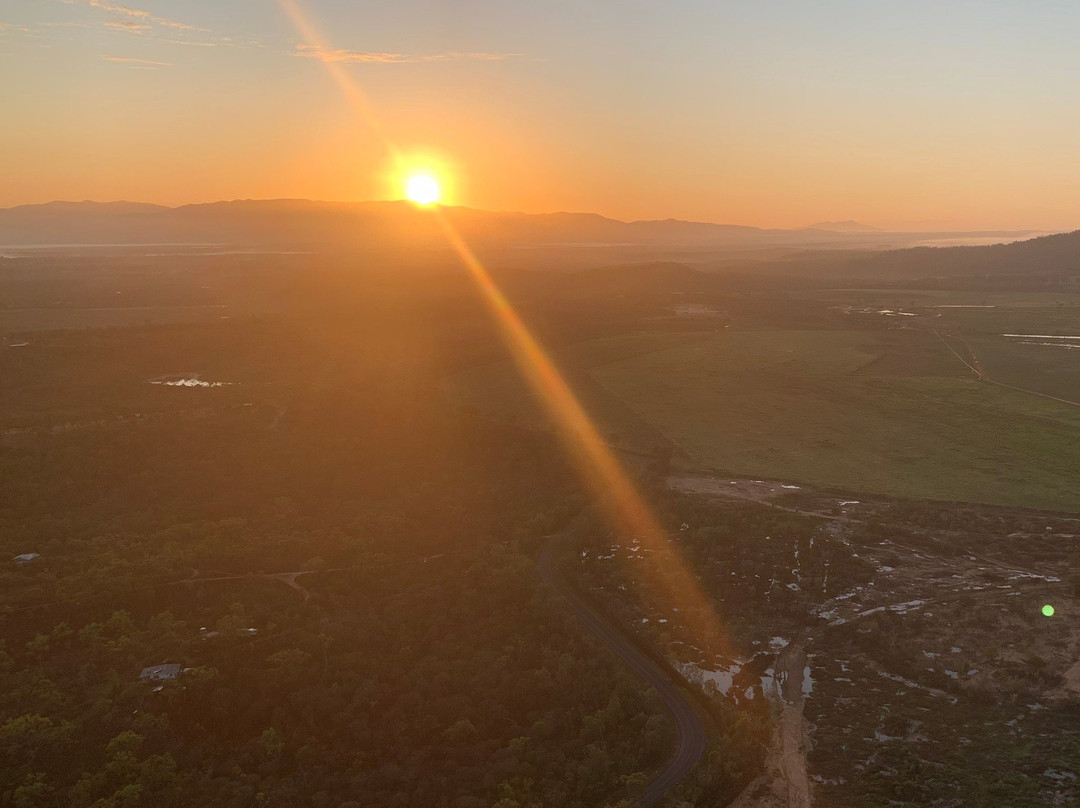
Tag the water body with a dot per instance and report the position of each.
(1051, 340)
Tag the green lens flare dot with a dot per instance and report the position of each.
(1048, 610)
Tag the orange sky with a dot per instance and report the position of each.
(772, 113)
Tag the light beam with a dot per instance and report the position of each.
(597, 464)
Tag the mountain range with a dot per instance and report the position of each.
(282, 222)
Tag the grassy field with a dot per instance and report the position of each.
(969, 313)
(937, 298)
(499, 391)
(889, 412)
(861, 411)
(1063, 320)
(1049, 369)
(979, 321)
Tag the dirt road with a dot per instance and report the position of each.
(790, 698)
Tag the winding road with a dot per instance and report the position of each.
(692, 738)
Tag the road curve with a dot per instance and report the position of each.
(692, 739)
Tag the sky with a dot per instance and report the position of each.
(776, 113)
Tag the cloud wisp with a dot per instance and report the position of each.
(8, 28)
(129, 25)
(343, 56)
(143, 64)
(150, 26)
(136, 20)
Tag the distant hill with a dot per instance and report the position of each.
(288, 221)
(397, 225)
(1055, 255)
(848, 226)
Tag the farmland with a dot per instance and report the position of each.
(879, 411)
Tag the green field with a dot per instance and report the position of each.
(938, 298)
(889, 412)
(1052, 370)
(842, 409)
(978, 321)
(498, 389)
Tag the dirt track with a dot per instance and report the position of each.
(790, 698)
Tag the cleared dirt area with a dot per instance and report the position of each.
(899, 651)
(944, 657)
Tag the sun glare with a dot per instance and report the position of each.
(422, 189)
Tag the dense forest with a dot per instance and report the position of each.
(342, 564)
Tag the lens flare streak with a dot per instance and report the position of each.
(597, 464)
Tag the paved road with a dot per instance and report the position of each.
(692, 740)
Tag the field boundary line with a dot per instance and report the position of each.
(985, 377)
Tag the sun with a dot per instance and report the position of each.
(422, 189)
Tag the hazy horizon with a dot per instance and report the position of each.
(837, 226)
(773, 115)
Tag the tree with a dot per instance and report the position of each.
(33, 792)
(290, 661)
(462, 732)
(272, 743)
(29, 736)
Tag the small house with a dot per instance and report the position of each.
(160, 673)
